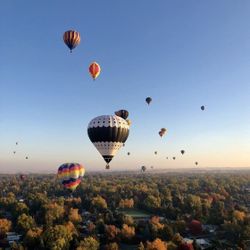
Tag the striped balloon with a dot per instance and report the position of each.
(94, 70)
(71, 38)
(108, 133)
(71, 175)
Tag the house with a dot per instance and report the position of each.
(203, 243)
(12, 236)
(188, 240)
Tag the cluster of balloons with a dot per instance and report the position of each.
(108, 133)
(14, 152)
(72, 39)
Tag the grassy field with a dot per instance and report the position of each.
(135, 213)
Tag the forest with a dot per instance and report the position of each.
(126, 210)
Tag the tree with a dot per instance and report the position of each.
(177, 239)
(155, 226)
(99, 203)
(33, 238)
(171, 246)
(127, 232)
(152, 201)
(157, 244)
(166, 233)
(111, 232)
(54, 212)
(238, 216)
(74, 216)
(25, 222)
(57, 238)
(111, 246)
(141, 246)
(5, 226)
(20, 208)
(89, 243)
(185, 246)
(126, 203)
(195, 227)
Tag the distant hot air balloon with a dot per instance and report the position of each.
(182, 152)
(155, 152)
(122, 113)
(71, 38)
(94, 70)
(162, 132)
(71, 175)
(16, 143)
(26, 158)
(174, 158)
(143, 168)
(108, 133)
(152, 167)
(148, 100)
(202, 107)
(196, 163)
(14, 152)
(128, 153)
(167, 158)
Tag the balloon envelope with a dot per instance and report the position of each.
(71, 175)
(148, 100)
(94, 70)
(71, 38)
(122, 113)
(108, 133)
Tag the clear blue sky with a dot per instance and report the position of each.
(183, 54)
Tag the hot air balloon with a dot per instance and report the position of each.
(128, 153)
(71, 38)
(155, 152)
(122, 113)
(108, 133)
(143, 168)
(26, 158)
(196, 163)
(202, 108)
(162, 132)
(174, 158)
(167, 158)
(148, 100)
(14, 152)
(182, 152)
(94, 70)
(71, 175)
(152, 167)
(16, 143)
